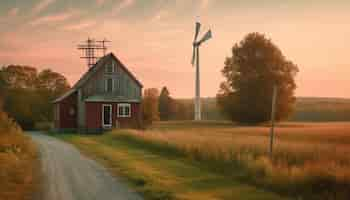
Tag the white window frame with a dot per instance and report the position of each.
(110, 115)
(106, 84)
(123, 106)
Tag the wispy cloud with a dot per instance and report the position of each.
(122, 5)
(13, 12)
(43, 4)
(79, 26)
(100, 2)
(49, 19)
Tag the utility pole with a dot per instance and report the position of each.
(273, 111)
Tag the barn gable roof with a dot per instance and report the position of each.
(100, 63)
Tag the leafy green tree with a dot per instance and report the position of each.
(250, 74)
(167, 105)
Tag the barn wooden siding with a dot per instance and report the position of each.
(66, 118)
(123, 86)
(94, 116)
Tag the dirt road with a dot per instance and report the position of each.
(68, 175)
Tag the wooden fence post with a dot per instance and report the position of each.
(273, 110)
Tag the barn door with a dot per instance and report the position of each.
(107, 116)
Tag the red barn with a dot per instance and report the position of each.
(107, 96)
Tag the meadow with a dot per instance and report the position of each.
(19, 178)
(310, 160)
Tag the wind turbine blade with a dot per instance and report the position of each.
(206, 37)
(198, 27)
(193, 55)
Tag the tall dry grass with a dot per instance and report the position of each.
(309, 160)
(18, 162)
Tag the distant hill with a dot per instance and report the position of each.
(321, 109)
(308, 109)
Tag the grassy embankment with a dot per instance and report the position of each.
(213, 160)
(18, 163)
(161, 172)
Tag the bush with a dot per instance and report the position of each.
(18, 162)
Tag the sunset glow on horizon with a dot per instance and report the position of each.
(153, 38)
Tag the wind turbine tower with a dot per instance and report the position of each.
(195, 60)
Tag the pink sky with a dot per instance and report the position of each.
(154, 39)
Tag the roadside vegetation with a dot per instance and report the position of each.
(19, 178)
(159, 171)
(213, 159)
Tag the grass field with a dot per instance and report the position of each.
(219, 160)
(19, 176)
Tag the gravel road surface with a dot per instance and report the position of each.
(68, 175)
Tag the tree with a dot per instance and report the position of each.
(52, 81)
(17, 76)
(167, 105)
(184, 109)
(49, 86)
(28, 95)
(3, 86)
(150, 106)
(250, 74)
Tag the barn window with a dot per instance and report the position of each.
(110, 68)
(114, 66)
(124, 110)
(109, 85)
(135, 92)
(117, 85)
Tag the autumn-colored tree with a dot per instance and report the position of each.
(52, 82)
(27, 94)
(150, 106)
(17, 76)
(49, 86)
(167, 105)
(250, 74)
(184, 109)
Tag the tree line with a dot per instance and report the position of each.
(27, 94)
(161, 106)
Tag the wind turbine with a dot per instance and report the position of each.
(195, 60)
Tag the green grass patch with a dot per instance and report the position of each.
(161, 171)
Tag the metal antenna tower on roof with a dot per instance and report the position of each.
(92, 50)
(104, 47)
